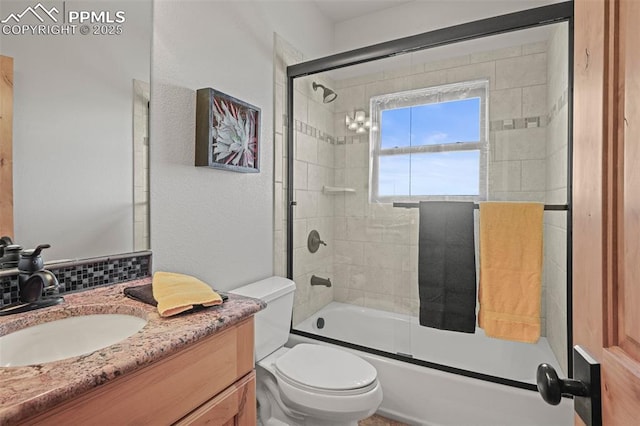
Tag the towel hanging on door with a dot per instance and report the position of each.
(446, 266)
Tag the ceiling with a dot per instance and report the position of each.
(340, 10)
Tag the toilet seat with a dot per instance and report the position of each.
(325, 370)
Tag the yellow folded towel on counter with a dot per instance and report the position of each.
(177, 293)
(510, 270)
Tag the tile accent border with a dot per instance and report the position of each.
(80, 275)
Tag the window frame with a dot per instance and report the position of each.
(429, 95)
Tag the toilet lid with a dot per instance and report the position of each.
(323, 367)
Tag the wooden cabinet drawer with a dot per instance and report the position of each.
(163, 392)
(235, 406)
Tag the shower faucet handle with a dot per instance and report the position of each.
(314, 241)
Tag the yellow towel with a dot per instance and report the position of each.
(177, 293)
(510, 270)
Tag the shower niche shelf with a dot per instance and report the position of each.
(337, 190)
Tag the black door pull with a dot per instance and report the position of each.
(584, 387)
(551, 387)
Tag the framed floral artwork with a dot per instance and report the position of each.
(227, 132)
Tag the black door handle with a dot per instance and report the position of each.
(551, 387)
(584, 387)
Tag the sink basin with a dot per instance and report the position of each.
(66, 338)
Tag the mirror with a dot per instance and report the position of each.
(79, 103)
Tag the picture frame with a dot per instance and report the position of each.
(227, 132)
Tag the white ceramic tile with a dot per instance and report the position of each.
(317, 177)
(339, 177)
(339, 205)
(384, 87)
(531, 48)
(300, 175)
(340, 228)
(306, 204)
(363, 229)
(538, 197)
(357, 155)
(505, 176)
(522, 71)
(278, 206)
(520, 144)
(278, 146)
(340, 156)
(533, 175)
(350, 99)
(349, 252)
(355, 204)
(355, 297)
(558, 196)
(472, 72)
(360, 80)
(306, 148)
(403, 71)
(299, 233)
(444, 64)
(357, 178)
(427, 79)
(279, 107)
(534, 101)
(557, 132)
(300, 106)
(557, 170)
(389, 256)
(326, 205)
(325, 154)
(492, 55)
(505, 104)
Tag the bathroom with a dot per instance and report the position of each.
(234, 235)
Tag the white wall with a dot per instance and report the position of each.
(421, 16)
(214, 224)
(72, 135)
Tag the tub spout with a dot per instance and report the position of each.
(320, 281)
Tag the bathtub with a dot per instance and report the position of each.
(425, 396)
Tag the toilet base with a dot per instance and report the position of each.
(273, 412)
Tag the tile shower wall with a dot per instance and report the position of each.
(375, 258)
(313, 170)
(555, 226)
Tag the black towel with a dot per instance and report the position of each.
(447, 266)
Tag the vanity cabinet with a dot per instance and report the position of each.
(209, 382)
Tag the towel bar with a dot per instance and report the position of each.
(550, 207)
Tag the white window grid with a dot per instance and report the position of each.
(435, 94)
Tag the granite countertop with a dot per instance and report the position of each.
(30, 390)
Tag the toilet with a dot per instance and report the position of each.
(309, 384)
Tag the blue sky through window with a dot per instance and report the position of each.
(431, 124)
(430, 173)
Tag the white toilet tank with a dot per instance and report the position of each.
(272, 323)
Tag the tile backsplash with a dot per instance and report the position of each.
(79, 275)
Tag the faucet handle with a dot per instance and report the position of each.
(31, 261)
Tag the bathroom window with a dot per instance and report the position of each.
(430, 144)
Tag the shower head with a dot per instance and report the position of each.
(328, 95)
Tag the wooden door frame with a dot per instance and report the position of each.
(6, 146)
